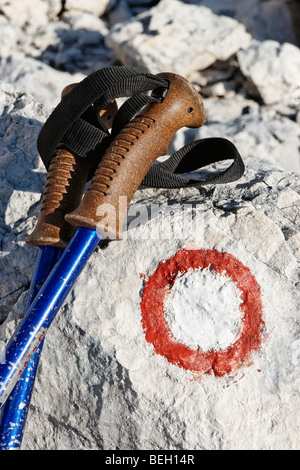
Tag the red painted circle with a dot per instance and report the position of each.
(159, 335)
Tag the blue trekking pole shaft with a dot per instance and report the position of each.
(14, 412)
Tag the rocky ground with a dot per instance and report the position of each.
(101, 383)
(245, 64)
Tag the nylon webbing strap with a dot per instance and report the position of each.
(192, 157)
(69, 127)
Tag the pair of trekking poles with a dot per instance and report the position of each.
(88, 139)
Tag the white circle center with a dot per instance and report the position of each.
(203, 310)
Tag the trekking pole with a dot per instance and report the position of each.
(102, 210)
(67, 176)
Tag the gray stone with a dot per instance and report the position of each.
(32, 76)
(74, 44)
(229, 109)
(264, 19)
(83, 20)
(42, 38)
(176, 37)
(96, 7)
(11, 36)
(22, 179)
(273, 69)
(30, 12)
(78, 50)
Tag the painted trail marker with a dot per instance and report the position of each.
(155, 324)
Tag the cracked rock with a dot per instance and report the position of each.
(32, 76)
(273, 69)
(96, 7)
(177, 37)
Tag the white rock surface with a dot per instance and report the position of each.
(84, 20)
(77, 50)
(22, 179)
(11, 36)
(32, 76)
(30, 12)
(273, 68)
(96, 7)
(100, 383)
(177, 37)
(268, 19)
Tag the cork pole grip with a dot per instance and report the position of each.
(132, 153)
(66, 179)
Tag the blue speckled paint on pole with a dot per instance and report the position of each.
(44, 308)
(14, 413)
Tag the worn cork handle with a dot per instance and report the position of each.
(132, 153)
(66, 179)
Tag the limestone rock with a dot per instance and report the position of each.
(32, 76)
(22, 178)
(78, 50)
(176, 37)
(96, 7)
(33, 12)
(11, 36)
(273, 69)
(41, 38)
(102, 383)
(84, 20)
(267, 19)
(229, 109)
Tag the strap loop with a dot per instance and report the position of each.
(193, 156)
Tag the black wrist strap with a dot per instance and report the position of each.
(192, 157)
